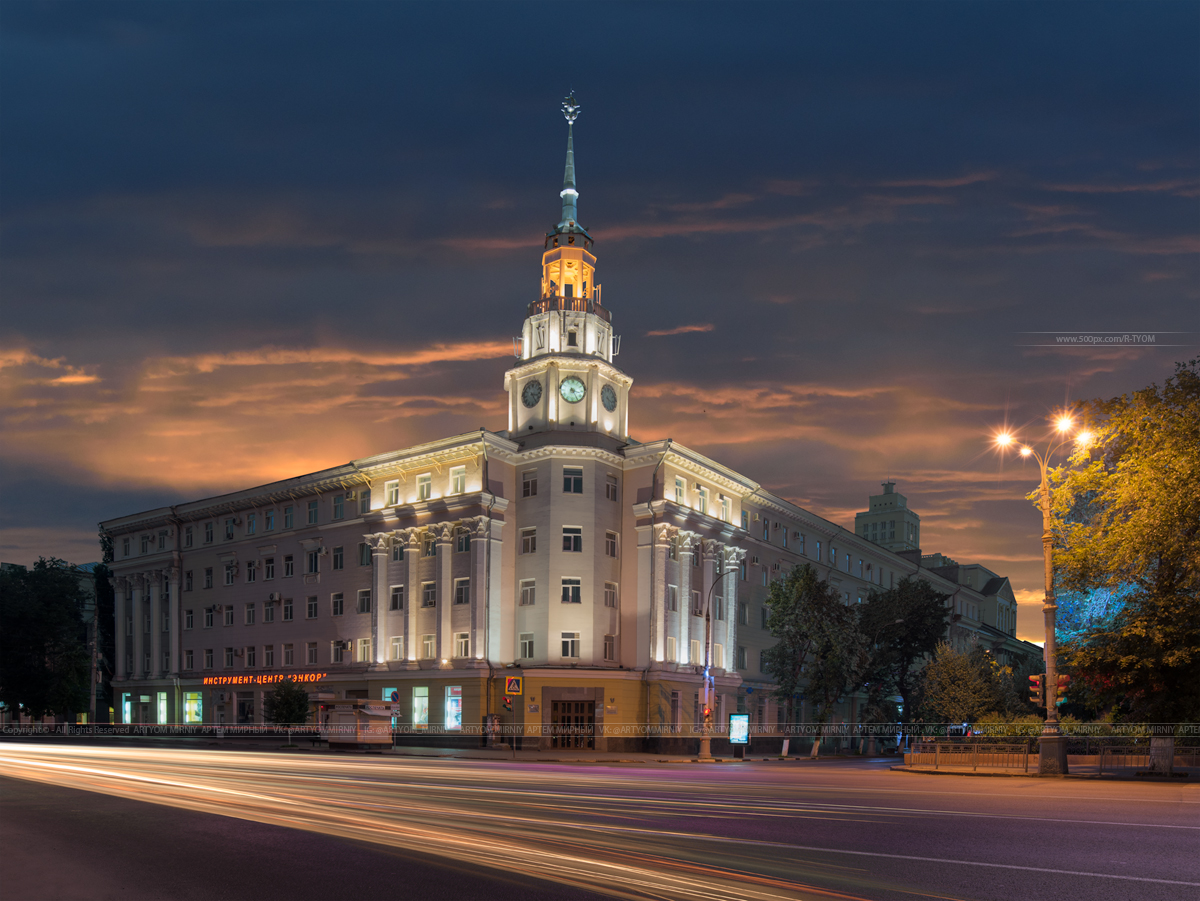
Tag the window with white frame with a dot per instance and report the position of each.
(251, 655)
(529, 541)
(570, 644)
(462, 594)
(364, 650)
(610, 594)
(339, 506)
(397, 597)
(528, 592)
(230, 572)
(208, 533)
(289, 566)
(572, 480)
(289, 516)
(697, 610)
(269, 612)
(462, 644)
(610, 544)
(364, 502)
(287, 610)
(397, 550)
(573, 539)
(229, 529)
(313, 561)
(427, 646)
(311, 608)
(312, 513)
(452, 719)
(702, 500)
(269, 521)
(429, 594)
(670, 649)
(269, 655)
(337, 651)
(228, 658)
(391, 491)
(289, 655)
(672, 597)
(310, 653)
(188, 660)
(229, 615)
(424, 487)
(364, 554)
(458, 480)
(529, 483)
(208, 658)
(610, 487)
(680, 490)
(724, 509)
(187, 581)
(268, 569)
(610, 647)
(696, 654)
(187, 536)
(572, 590)
(718, 657)
(364, 600)
(526, 644)
(428, 545)
(339, 557)
(397, 647)
(462, 540)
(337, 603)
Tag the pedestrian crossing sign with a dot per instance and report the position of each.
(512, 685)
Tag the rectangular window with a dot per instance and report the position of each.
(696, 609)
(339, 506)
(187, 581)
(230, 572)
(680, 490)
(800, 545)
(251, 571)
(364, 650)
(289, 655)
(208, 617)
(125, 547)
(718, 604)
(392, 492)
(312, 513)
(364, 554)
(429, 594)
(397, 647)
(766, 529)
(187, 536)
(462, 594)
(289, 566)
(188, 619)
(528, 592)
(741, 658)
(610, 544)
(397, 597)
(337, 651)
(208, 533)
(610, 488)
(188, 660)
(784, 537)
(420, 707)
(572, 591)
(424, 487)
(572, 480)
(718, 660)
(251, 523)
(249, 615)
(229, 615)
(610, 594)
(228, 658)
(337, 604)
(339, 557)
(462, 541)
(746, 520)
(310, 653)
(697, 655)
(287, 610)
(570, 644)
(526, 646)
(762, 661)
(766, 613)
(313, 562)
(766, 576)
(364, 502)
(364, 600)
(672, 597)
(229, 530)
(310, 608)
(268, 569)
(269, 521)
(572, 539)
(724, 509)
(288, 517)
(251, 656)
(702, 501)
(462, 644)
(458, 480)
(670, 649)
(428, 545)
(427, 647)
(269, 612)
(397, 550)
(610, 647)
(529, 541)
(529, 483)
(269, 655)
(208, 658)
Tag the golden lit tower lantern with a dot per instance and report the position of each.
(565, 380)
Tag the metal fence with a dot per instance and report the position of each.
(970, 754)
(1115, 757)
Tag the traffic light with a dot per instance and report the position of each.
(1037, 694)
(707, 717)
(1064, 682)
(507, 704)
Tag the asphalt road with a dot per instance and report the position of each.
(266, 825)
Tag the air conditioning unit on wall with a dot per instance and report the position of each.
(275, 596)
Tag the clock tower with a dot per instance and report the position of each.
(565, 380)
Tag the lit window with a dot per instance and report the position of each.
(570, 644)
(724, 509)
(397, 647)
(453, 718)
(680, 490)
(424, 487)
(462, 644)
(193, 706)
(572, 591)
(392, 490)
(702, 500)
(364, 650)
(528, 592)
(670, 649)
(458, 480)
(427, 647)
(420, 707)
(697, 656)
(718, 656)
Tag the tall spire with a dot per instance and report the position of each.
(569, 194)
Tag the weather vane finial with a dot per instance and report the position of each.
(570, 108)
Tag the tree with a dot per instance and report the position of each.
(1127, 518)
(820, 646)
(958, 685)
(44, 663)
(903, 625)
(286, 705)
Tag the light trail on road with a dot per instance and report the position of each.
(716, 834)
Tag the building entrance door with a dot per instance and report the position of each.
(573, 724)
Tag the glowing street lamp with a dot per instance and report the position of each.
(706, 727)
(1052, 757)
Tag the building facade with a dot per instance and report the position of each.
(601, 573)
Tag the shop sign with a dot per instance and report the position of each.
(264, 678)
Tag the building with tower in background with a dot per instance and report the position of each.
(605, 574)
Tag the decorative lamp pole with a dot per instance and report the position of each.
(1052, 748)
(706, 712)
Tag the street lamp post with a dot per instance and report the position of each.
(706, 725)
(1052, 747)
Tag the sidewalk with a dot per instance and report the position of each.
(1181, 775)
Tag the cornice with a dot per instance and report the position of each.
(568, 363)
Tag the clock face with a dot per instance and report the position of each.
(608, 397)
(572, 390)
(531, 393)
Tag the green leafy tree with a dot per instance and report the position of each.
(959, 687)
(821, 649)
(44, 662)
(286, 704)
(1127, 516)
(904, 625)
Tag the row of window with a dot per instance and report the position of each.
(572, 483)
(572, 541)
(701, 501)
(696, 653)
(572, 592)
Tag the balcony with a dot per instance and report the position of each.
(570, 304)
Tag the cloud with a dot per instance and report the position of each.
(953, 181)
(1184, 187)
(681, 330)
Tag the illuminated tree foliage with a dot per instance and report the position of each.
(286, 704)
(1127, 521)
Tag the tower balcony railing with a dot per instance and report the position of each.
(569, 304)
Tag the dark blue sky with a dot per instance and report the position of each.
(245, 240)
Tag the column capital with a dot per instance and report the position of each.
(377, 541)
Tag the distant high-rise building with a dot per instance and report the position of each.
(888, 522)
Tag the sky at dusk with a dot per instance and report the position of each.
(244, 241)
